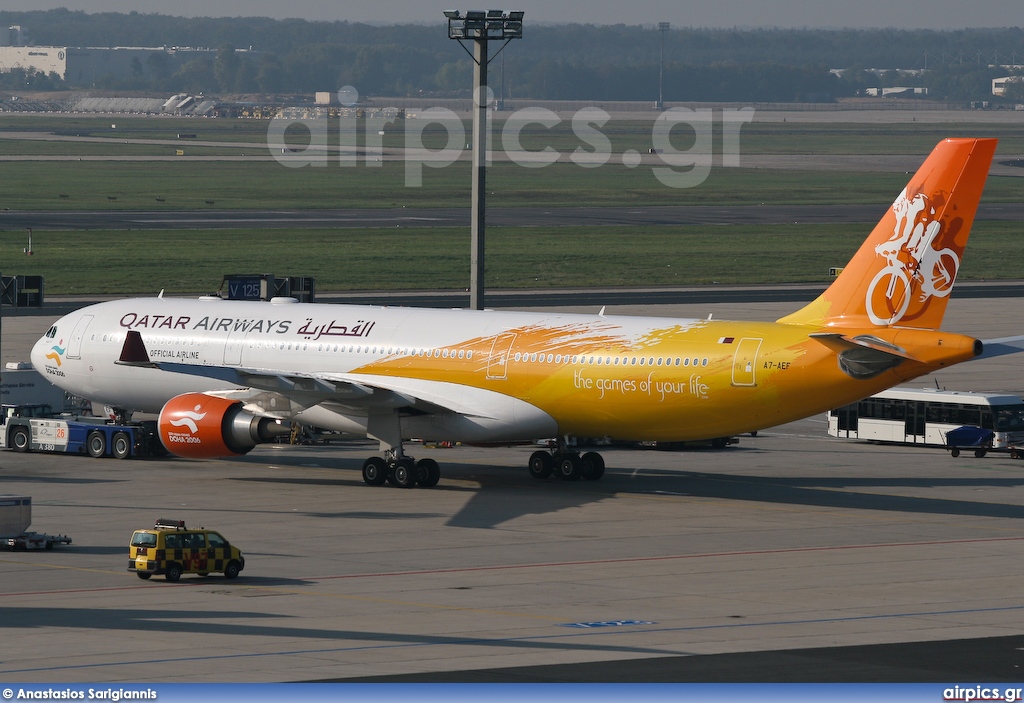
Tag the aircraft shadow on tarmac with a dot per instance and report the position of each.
(504, 494)
(4, 478)
(256, 623)
(100, 550)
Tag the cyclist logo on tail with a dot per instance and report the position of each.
(917, 264)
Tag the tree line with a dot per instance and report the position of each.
(569, 62)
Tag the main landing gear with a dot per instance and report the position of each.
(401, 471)
(567, 465)
(406, 472)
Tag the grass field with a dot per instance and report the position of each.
(186, 182)
(261, 185)
(109, 262)
(186, 262)
(183, 185)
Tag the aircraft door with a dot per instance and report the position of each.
(744, 363)
(77, 335)
(497, 362)
(233, 347)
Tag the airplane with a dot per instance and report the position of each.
(225, 375)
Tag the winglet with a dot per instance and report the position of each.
(134, 353)
(903, 273)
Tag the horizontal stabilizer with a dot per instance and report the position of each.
(863, 356)
(1001, 347)
(841, 342)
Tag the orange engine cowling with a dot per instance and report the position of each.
(200, 426)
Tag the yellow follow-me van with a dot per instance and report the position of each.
(172, 549)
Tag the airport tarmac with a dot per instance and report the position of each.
(773, 559)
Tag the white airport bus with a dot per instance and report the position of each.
(925, 415)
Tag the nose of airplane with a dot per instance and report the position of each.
(47, 354)
(39, 351)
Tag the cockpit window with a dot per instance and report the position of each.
(52, 332)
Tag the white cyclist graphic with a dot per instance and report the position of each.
(189, 420)
(911, 258)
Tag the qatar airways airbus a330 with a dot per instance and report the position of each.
(227, 375)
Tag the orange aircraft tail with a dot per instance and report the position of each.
(903, 273)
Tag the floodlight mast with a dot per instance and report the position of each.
(662, 28)
(481, 26)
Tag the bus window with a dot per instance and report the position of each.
(1009, 418)
(943, 412)
(896, 411)
(972, 415)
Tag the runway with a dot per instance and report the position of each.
(788, 557)
(19, 220)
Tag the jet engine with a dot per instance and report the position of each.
(200, 426)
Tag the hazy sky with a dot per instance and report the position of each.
(916, 14)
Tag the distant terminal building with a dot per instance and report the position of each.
(896, 91)
(999, 85)
(87, 65)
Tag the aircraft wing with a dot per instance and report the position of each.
(304, 390)
(353, 391)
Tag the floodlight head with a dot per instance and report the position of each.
(663, 26)
(484, 24)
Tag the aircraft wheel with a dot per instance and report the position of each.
(404, 474)
(121, 446)
(96, 445)
(428, 473)
(541, 465)
(593, 466)
(570, 467)
(375, 471)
